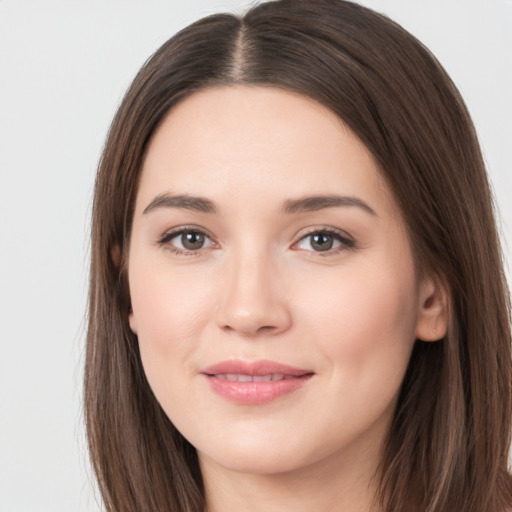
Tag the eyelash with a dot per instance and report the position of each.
(346, 242)
(167, 237)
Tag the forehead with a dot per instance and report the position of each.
(227, 142)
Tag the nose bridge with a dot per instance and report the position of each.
(253, 302)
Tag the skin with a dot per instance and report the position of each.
(259, 289)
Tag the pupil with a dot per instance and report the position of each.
(192, 240)
(322, 242)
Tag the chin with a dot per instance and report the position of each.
(252, 463)
(250, 456)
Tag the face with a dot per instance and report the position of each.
(272, 283)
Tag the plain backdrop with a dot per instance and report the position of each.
(64, 66)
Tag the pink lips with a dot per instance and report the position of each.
(254, 383)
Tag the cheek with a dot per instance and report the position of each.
(170, 311)
(166, 300)
(365, 322)
(363, 329)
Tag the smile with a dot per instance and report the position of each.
(254, 383)
(236, 377)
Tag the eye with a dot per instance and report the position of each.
(325, 241)
(186, 241)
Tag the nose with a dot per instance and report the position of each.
(254, 302)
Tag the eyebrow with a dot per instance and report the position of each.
(183, 201)
(314, 203)
(302, 205)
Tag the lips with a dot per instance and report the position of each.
(254, 383)
(240, 377)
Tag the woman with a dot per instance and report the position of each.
(297, 299)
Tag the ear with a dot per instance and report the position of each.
(433, 309)
(115, 255)
(132, 321)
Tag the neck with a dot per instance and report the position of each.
(346, 486)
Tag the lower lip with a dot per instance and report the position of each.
(255, 393)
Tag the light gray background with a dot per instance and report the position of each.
(64, 66)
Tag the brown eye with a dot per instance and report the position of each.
(192, 240)
(321, 241)
(186, 241)
(325, 241)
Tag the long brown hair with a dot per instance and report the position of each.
(448, 445)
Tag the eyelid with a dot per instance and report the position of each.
(347, 241)
(168, 235)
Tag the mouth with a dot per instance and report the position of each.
(254, 383)
(238, 377)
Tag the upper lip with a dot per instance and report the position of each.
(254, 368)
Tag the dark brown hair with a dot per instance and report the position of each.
(448, 445)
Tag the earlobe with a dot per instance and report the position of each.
(132, 322)
(433, 310)
(115, 255)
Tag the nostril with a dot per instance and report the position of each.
(266, 328)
